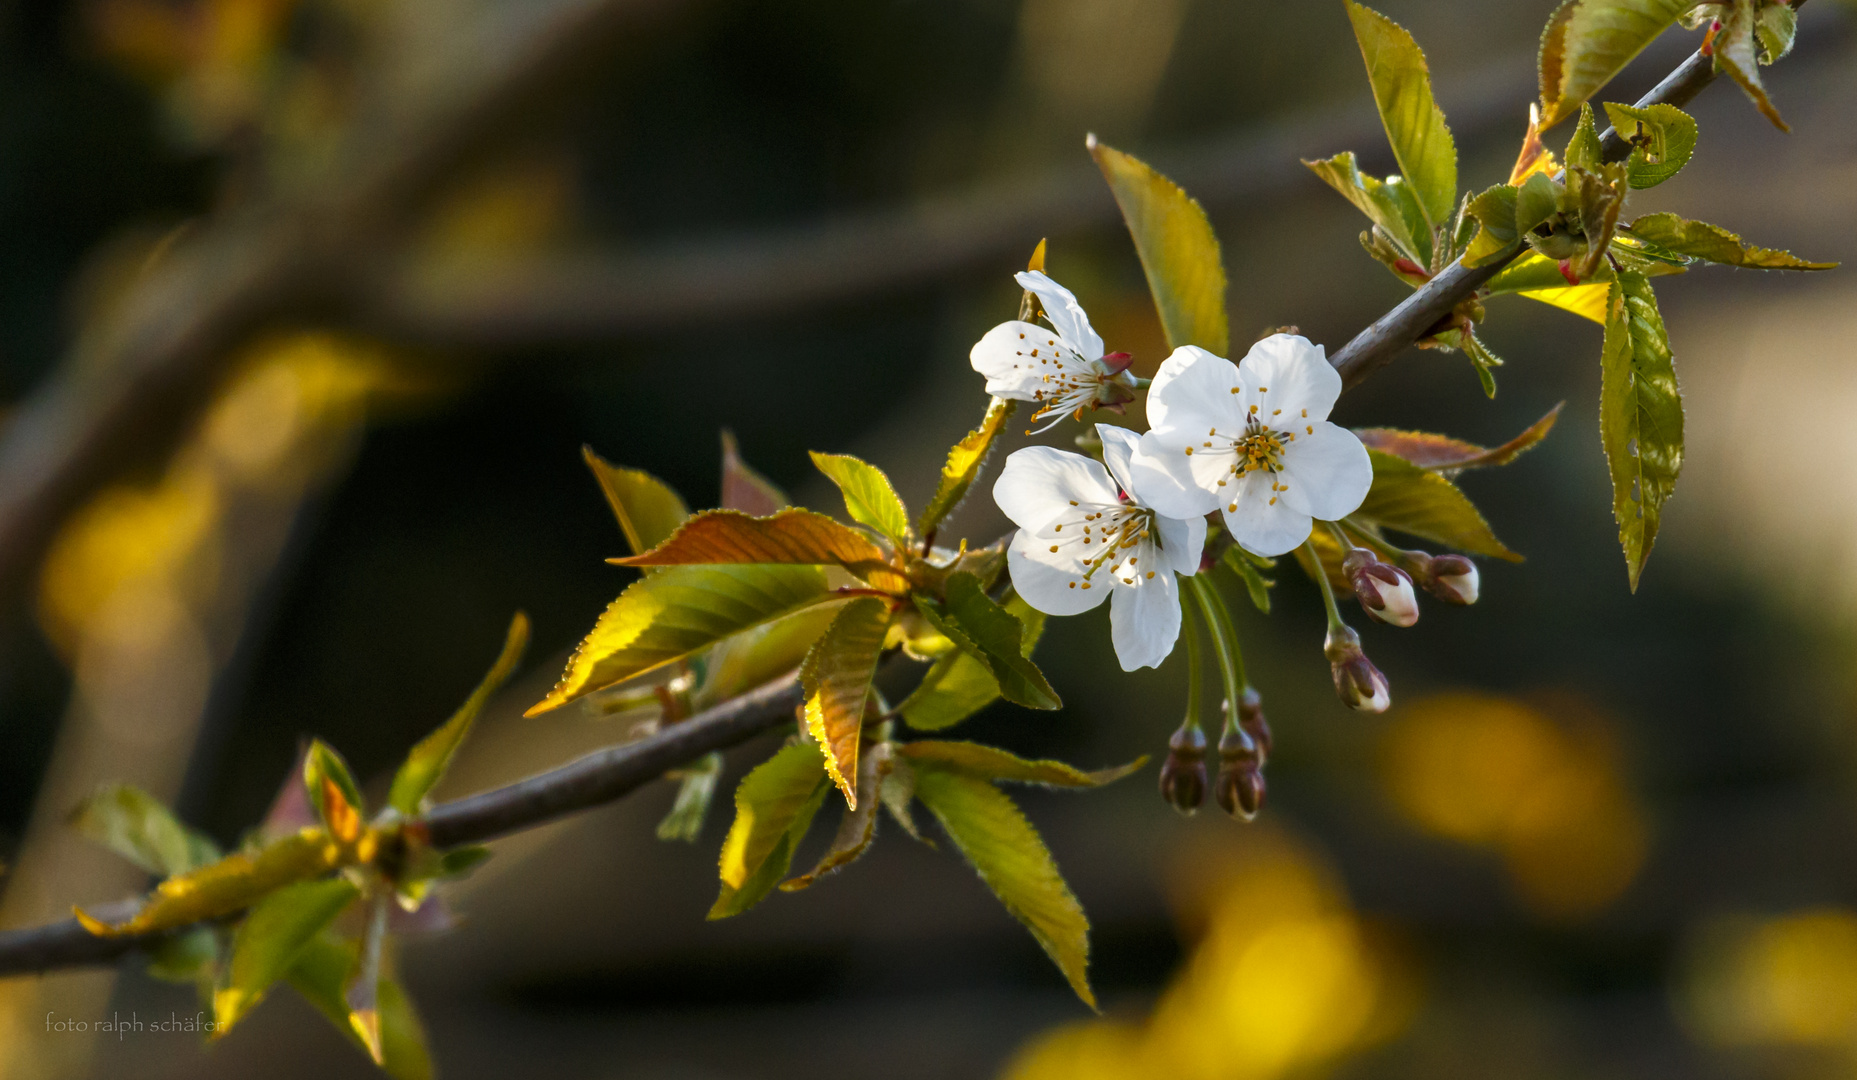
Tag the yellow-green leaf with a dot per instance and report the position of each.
(837, 677)
(134, 824)
(363, 992)
(1738, 52)
(1448, 455)
(1241, 562)
(1584, 148)
(1178, 249)
(229, 885)
(426, 764)
(858, 827)
(745, 489)
(1494, 211)
(1663, 139)
(1712, 243)
(1778, 25)
(870, 498)
(960, 684)
(271, 938)
(696, 789)
(965, 460)
(1389, 204)
(664, 617)
(647, 509)
(774, 806)
(1598, 39)
(320, 975)
(756, 657)
(1013, 861)
(1417, 501)
(1422, 144)
(992, 763)
(333, 792)
(1640, 417)
(990, 633)
(1553, 52)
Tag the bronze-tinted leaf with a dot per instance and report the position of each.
(858, 827)
(745, 489)
(1448, 455)
(798, 537)
(837, 677)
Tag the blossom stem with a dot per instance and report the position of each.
(1225, 641)
(1139, 382)
(1380, 547)
(1328, 591)
(1195, 672)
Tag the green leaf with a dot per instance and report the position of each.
(1584, 148)
(836, 676)
(321, 975)
(1013, 861)
(898, 790)
(1552, 57)
(1447, 455)
(1778, 25)
(190, 958)
(1389, 204)
(363, 992)
(1598, 197)
(1255, 583)
(1711, 243)
(1481, 358)
(231, 884)
(695, 790)
(1419, 502)
(1537, 200)
(665, 617)
(1598, 39)
(1178, 249)
(774, 806)
(990, 633)
(745, 489)
(270, 939)
(333, 792)
(960, 684)
(869, 497)
(992, 763)
(1663, 139)
(1495, 212)
(1414, 124)
(965, 460)
(133, 824)
(647, 509)
(1738, 51)
(858, 827)
(427, 762)
(1640, 417)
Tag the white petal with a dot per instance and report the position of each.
(1263, 527)
(1169, 480)
(1004, 357)
(1293, 374)
(1064, 312)
(1048, 582)
(1193, 393)
(1327, 472)
(1119, 445)
(1144, 621)
(1038, 483)
(1183, 541)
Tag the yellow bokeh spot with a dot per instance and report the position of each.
(1790, 980)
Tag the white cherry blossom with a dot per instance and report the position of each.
(1253, 441)
(1061, 367)
(1085, 535)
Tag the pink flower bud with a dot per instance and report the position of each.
(1183, 774)
(1240, 786)
(1358, 683)
(1451, 578)
(1251, 718)
(1385, 592)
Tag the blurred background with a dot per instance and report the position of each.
(308, 306)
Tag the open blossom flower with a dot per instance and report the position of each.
(1062, 367)
(1253, 441)
(1085, 534)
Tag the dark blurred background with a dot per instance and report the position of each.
(1599, 834)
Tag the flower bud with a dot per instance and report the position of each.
(1251, 719)
(1451, 578)
(1240, 786)
(1183, 775)
(1385, 592)
(1358, 683)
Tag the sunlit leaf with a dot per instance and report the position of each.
(647, 509)
(992, 763)
(188, 957)
(1178, 249)
(1537, 200)
(774, 806)
(1598, 39)
(1389, 204)
(1778, 25)
(1255, 583)
(333, 792)
(363, 992)
(1417, 501)
(133, 824)
(837, 677)
(426, 764)
(1597, 198)
(1494, 211)
(989, 632)
(1551, 61)
(321, 975)
(745, 489)
(229, 885)
(667, 616)
(696, 788)
(1448, 455)
(965, 460)
(1663, 139)
(270, 939)
(858, 827)
(1414, 124)
(870, 498)
(1738, 51)
(960, 684)
(791, 536)
(1584, 149)
(1011, 858)
(755, 657)
(898, 790)
(1711, 243)
(1640, 417)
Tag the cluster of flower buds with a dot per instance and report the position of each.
(1451, 578)
(1385, 591)
(1243, 750)
(1183, 775)
(1359, 684)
